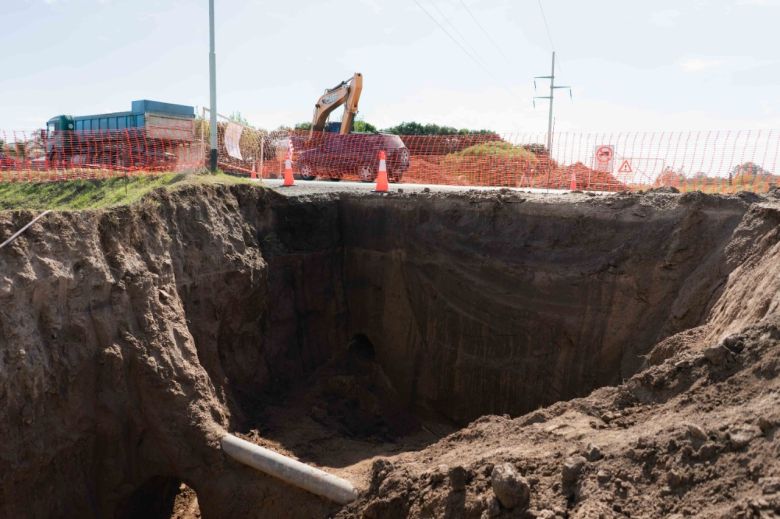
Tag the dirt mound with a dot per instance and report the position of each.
(694, 435)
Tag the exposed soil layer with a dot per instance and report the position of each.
(342, 328)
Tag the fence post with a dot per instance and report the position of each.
(262, 154)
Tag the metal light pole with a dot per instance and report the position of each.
(212, 91)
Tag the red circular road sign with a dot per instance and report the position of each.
(604, 154)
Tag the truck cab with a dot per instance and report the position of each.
(60, 123)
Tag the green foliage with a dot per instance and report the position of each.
(414, 128)
(96, 194)
(236, 117)
(358, 126)
(748, 168)
(363, 127)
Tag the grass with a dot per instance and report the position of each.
(96, 194)
(497, 149)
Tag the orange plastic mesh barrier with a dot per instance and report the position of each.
(62, 155)
(711, 161)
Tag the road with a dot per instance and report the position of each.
(302, 187)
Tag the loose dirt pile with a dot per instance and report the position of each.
(363, 334)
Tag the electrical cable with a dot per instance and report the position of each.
(450, 36)
(484, 31)
(457, 32)
(546, 25)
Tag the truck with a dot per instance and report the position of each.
(149, 136)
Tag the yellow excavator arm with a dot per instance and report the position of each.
(346, 93)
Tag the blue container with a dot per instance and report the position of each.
(145, 106)
(135, 118)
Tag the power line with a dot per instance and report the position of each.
(450, 36)
(549, 34)
(546, 26)
(457, 31)
(484, 31)
(465, 51)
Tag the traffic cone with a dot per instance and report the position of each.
(381, 178)
(573, 185)
(288, 173)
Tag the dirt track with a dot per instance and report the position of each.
(354, 330)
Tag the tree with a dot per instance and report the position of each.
(749, 169)
(236, 117)
(670, 177)
(358, 126)
(363, 127)
(415, 128)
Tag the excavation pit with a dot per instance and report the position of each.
(336, 329)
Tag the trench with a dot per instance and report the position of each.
(338, 329)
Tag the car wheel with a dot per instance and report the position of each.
(367, 173)
(394, 176)
(307, 172)
(403, 156)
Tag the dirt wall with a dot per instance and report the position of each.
(499, 306)
(127, 337)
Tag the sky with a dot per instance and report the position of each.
(656, 65)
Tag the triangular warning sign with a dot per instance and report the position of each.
(625, 167)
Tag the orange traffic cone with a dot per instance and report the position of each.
(288, 173)
(573, 186)
(381, 178)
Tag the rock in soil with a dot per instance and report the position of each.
(510, 488)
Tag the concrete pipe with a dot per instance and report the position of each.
(289, 470)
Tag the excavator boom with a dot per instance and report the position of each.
(346, 93)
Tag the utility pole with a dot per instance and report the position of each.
(551, 98)
(212, 91)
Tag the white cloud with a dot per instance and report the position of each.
(762, 3)
(699, 64)
(665, 18)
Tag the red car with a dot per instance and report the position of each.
(336, 156)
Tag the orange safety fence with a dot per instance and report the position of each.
(710, 161)
(63, 155)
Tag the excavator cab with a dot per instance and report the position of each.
(346, 93)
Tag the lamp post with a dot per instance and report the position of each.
(212, 91)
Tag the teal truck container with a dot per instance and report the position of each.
(148, 131)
